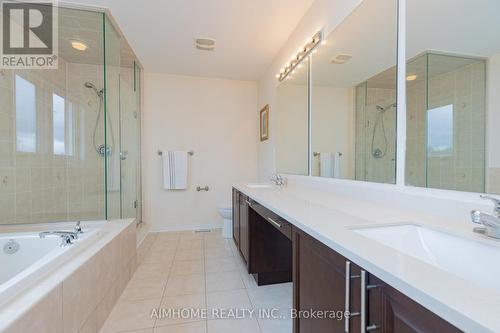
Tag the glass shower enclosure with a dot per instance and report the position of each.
(446, 111)
(375, 128)
(70, 137)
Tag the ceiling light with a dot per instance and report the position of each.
(411, 77)
(205, 44)
(78, 45)
(341, 59)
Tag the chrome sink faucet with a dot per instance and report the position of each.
(490, 223)
(279, 180)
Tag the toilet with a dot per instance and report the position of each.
(227, 214)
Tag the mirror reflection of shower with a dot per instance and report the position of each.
(380, 152)
(101, 149)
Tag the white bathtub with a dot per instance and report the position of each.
(25, 257)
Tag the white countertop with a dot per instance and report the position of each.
(328, 217)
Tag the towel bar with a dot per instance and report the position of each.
(316, 154)
(191, 153)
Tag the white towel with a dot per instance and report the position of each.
(175, 170)
(329, 165)
(326, 164)
(114, 172)
(336, 164)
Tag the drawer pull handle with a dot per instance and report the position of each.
(276, 224)
(363, 301)
(364, 289)
(348, 278)
(248, 202)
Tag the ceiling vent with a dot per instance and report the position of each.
(341, 59)
(204, 44)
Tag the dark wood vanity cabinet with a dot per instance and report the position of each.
(270, 246)
(236, 217)
(319, 284)
(325, 284)
(263, 240)
(244, 228)
(401, 314)
(321, 277)
(240, 223)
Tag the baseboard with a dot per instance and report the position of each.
(185, 227)
(143, 229)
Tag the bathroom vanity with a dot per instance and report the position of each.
(278, 250)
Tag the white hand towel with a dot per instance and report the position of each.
(326, 164)
(175, 170)
(336, 165)
(329, 165)
(113, 165)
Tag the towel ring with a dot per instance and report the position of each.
(190, 153)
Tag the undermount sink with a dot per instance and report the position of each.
(472, 260)
(259, 185)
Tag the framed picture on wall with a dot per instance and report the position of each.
(264, 123)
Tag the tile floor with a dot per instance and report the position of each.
(202, 271)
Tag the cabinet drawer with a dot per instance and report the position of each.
(275, 220)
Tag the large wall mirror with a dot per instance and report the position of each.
(453, 95)
(353, 97)
(292, 122)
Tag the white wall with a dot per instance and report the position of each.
(218, 120)
(333, 126)
(291, 134)
(323, 14)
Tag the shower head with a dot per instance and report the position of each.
(90, 85)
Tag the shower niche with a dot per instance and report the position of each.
(70, 137)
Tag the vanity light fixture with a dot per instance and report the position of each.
(411, 77)
(303, 53)
(78, 45)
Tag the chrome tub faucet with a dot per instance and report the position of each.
(67, 237)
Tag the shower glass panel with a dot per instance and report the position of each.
(112, 107)
(453, 99)
(376, 128)
(129, 133)
(446, 113)
(60, 128)
(49, 170)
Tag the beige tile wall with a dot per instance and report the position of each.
(382, 170)
(493, 182)
(83, 301)
(464, 170)
(43, 187)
